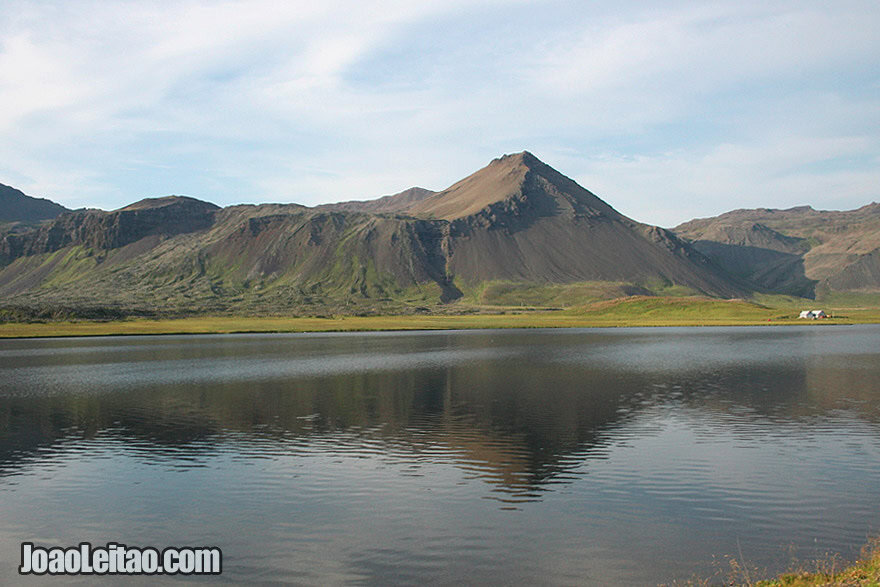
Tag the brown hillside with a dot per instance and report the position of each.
(386, 204)
(503, 180)
(519, 219)
(798, 250)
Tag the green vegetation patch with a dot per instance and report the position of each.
(786, 302)
(72, 264)
(865, 572)
(850, 299)
(682, 307)
(549, 295)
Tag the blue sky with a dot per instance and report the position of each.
(667, 110)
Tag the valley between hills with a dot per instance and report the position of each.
(516, 244)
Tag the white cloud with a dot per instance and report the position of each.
(34, 79)
(723, 103)
(708, 47)
(673, 187)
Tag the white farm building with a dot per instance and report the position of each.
(813, 314)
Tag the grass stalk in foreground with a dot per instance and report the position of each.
(863, 573)
(830, 571)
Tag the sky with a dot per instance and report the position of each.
(667, 110)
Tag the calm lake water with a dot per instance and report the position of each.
(623, 456)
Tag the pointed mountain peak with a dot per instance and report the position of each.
(523, 157)
(521, 177)
(523, 160)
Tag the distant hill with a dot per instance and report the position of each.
(395, 203)
(15, 206)
(798, 251)
(517, 221)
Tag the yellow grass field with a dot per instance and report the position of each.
(631, 312)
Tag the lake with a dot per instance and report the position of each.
(588, 456)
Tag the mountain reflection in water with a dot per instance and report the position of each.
(628, 455)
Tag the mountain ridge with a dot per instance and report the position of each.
(801, 251)
(515, 221)
(16, 206)
(398, 202)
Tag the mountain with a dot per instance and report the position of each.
(395, 203)
(799, 251)
(517, 221)
(15, 206)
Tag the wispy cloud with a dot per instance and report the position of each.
(700, 107)
(668, 188)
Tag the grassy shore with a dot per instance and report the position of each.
(635, 311)
(864, 573)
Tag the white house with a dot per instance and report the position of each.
(813, 314)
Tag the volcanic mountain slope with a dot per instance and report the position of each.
(798, 251)
(395, 203)
(516, 220)
(245, 257)
(519, 219)
(16, 207)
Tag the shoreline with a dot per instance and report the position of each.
(865, 571)
(407, 323)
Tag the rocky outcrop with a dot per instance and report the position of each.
(109, 230)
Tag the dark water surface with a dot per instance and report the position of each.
(625, 456)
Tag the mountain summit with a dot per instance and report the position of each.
(517, 221)
(517, 182)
